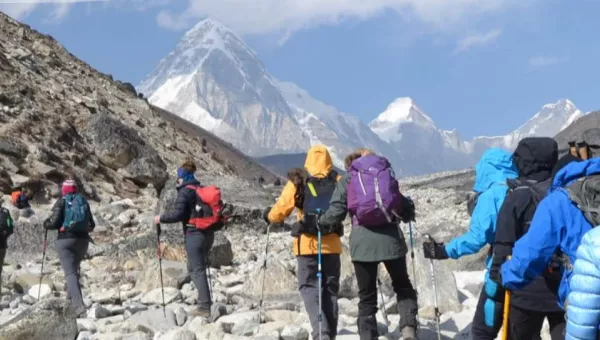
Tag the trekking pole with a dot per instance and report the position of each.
(264, 268)
(210, 283)
(43, 259)
(319, 275)
(383, 312)
(437, 310)
(412, 250)
(162, 287)
(507, 297)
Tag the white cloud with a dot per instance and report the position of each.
(20, 9)
(288, 16)
(477, 39)
(544, 61)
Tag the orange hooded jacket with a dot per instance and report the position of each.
(318, 164)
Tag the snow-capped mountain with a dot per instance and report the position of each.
(427, 148)
(324, 124)
(214, 80)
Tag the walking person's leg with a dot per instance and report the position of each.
(488, 318)
(308, 285)
(331, 265)
(69, 253)
(524, 324)
(2, 255)
(366, 277)
(197, 247)
(405, 295)
(557, 324)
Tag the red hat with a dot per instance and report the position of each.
(69, 187)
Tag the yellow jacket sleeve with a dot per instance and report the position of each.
(285, 204)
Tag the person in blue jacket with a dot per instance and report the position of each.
(558, 225)
(583, 312)
(494, 168)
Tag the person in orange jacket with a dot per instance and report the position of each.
(309, 191)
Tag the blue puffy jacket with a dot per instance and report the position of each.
(494, 168)
(583, 311)
(557, 225)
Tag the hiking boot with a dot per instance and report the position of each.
(409, 333)
(201, 312)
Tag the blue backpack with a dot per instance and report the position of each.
(77, 213)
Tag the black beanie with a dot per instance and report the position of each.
(564, 161)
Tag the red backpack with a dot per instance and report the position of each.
(206, 214)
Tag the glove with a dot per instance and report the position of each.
(408, 213)
(227, 210)
(496, 276)
(434, 251)
(266, 215)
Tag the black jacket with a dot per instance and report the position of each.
(56, 220)
(535, 158)
(185, 202)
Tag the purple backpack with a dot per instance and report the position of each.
(374, 197)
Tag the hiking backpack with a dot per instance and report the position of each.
(585, 192)
(14, 198)
(6, 222)
(374, 196)
(206, 214)
(317, 195)
(77, 213)
(538, 191)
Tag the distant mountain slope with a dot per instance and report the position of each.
(281, 164)
(574, 132)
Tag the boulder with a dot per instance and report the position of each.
(244, 324)
(178, 334)
(41, 290)
(278, 280)
(154, 297)
(50, 319)
(174, 274)
(28, 237)
(121, 148)
(26, 281)
(154, 320)
(6, 183)
(221, 253)
(294, 332)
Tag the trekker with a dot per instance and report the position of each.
(535, 159)
(20, 200)
(375, 237)
(198, 242)
(559, 224)
(310, 191)
(6, 229)
(72, 217)
(583, 313)
(491, 174)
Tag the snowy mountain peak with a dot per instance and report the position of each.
(402, 110)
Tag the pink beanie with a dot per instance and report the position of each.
(69, 187)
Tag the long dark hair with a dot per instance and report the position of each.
(298, 177)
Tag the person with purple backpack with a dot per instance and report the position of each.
(369, 192)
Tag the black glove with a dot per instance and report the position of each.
(497, 263)
(266, 215)
(408, 211)
(227, 210)
(435, 251)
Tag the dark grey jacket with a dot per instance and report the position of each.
(56, 220)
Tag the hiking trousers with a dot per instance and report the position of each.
(308, 283)
(197, 247)
(527, 324)
(2, 255)
(71, 252)
(366, 277)
(488, 318)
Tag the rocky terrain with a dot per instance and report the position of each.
(60, 117)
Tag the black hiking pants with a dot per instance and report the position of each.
(197, 247)
(2, 255)
(309, 289)
(366, 277)
(527, 324)
(488, 318)
(70, 253)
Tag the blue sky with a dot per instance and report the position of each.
(481, 66)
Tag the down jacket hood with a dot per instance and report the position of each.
(318, 161)
(535, 157)
(495, 167)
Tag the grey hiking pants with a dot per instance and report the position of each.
(71, 252)
(197, 247)
(309, 289)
